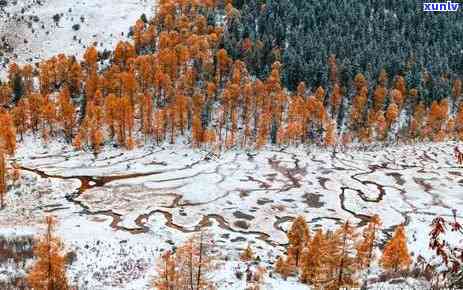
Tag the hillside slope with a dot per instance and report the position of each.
(31, 31)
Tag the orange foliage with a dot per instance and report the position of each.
(298, 236)
(49, 270)
(247, 254)
(283, 267)
(175, 78)
(189, 267)
(365, 248)
(336, 97)
(391, 114)
(66, 113)
(7, 133)
(3, 184)
(395, 255)
(379, 97)
(330, 135)
(313, 260)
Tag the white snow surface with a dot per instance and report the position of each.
(144, 201)
(103, 22)
(157, 197)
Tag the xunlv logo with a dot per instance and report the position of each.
(441, 6)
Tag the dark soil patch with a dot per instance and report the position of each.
(241, 224)
(241, 215)
(264, 201)
(397, 177)
(313, 200)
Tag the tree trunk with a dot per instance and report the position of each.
(191, 267)
(200, 260)
(370, 256)
(341, 266)
(51, 285)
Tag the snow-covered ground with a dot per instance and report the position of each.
(32, 34)
(124, 208)
(119, 211)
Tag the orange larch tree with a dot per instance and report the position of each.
(197, 130)
(330, 134)
(437, 117)
(125, 120)
(283, 267)
(159, 125)
(450, 128)
(49, 271)
(111, 113)
(91, 85)
(359, 102)
(66, 113)
(419, 116)
(3, 175)
(456, 93)
(44, 77)
(336, 99)
(172, 122)
(167, 278)
(379, 96)
(459, 122)
(90, 58)
(20, 117)
(5, 94)
(77, 142)
(223, 61)
(413, 129)
(182, 112)
(400, 86)
(395, 255)
(341, 258)
(189, 267)
(391, 114)
(96, 138)
(147, 116)
(365, 248)
(381, 125)
(34, 112)
(27, 73)
(313, 267)
(48, 114)
(298, 237)
(456, 89)
(7, 133)
(263, 130)
(75, 78)
(397, 98)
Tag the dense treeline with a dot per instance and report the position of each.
(191, 72)
(328, 43)
(365, 37)
(175, 80)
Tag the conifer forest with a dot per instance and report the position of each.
(231, 145)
